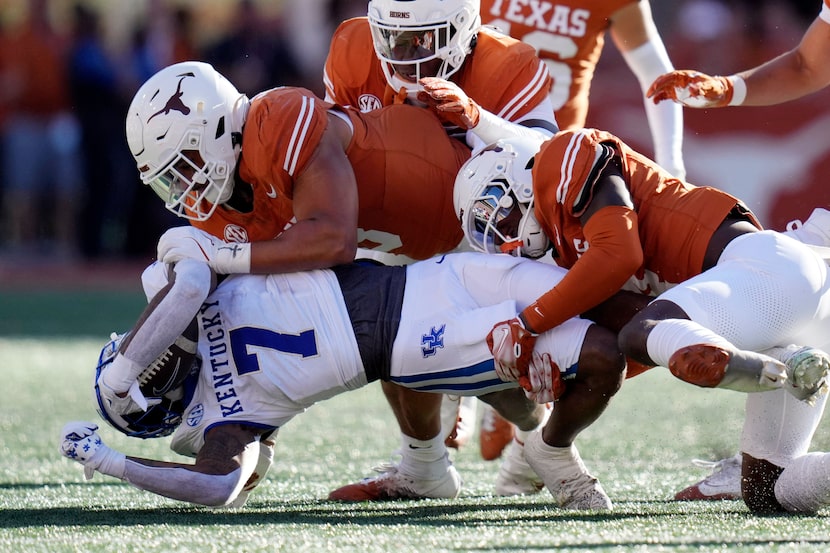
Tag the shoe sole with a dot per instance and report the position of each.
(693, 493)
(700, 364)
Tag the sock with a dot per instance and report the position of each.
(521, 435)
(424, 459)
(804, 486)
(673, 334)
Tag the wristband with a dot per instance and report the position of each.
(738, 90)
(232, 259)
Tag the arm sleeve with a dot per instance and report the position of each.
(191, 483)
(613, 256)
(648, 61)
(164, 320)
(539, 124)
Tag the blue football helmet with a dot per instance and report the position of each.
(159, 420)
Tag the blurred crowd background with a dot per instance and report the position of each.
(69, 190)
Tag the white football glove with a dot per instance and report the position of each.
(133, 402)
(189, 242)
(79, 442)
(266, 459)
(546, 384)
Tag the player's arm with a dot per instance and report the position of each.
(636, 37)
(610, 227)
(223, 466)
(801, 71)
(324, 231)
(325, 206)
(794, 74)
(454, 106)
(161, 323)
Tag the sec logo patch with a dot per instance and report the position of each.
(235, 233)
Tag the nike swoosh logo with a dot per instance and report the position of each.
(272, 193)
(156, 391)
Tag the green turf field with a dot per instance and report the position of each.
(640, 450)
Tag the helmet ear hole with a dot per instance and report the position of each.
(220, 128)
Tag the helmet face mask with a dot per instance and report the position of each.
(423, 38)
(188, 186)
(187, 114)
(158, 421)
(493, 198)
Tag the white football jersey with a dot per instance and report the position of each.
(273, 345)
(270, 347)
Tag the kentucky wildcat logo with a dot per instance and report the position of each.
(175, 101)
(432, 341)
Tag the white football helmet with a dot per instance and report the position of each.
(184, 129)
(158, 420)
(493, 198)
(422, 38)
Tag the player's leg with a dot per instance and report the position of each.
(804, 485)
(515, 476)
(777, 431)
(765, 289)
(551, 452)
(425, 469)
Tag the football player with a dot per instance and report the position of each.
(569, 37)
(314, 182)
(801, 71)
(272, 345)
(727, 289)
(796, 73)
(483, 84)
(435, 53)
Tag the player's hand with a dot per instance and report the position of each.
(512, 346)
(123, 402)
(691, 88)
(546, 384)
(79, 442)
(450, 102)
(189, 242)
(186, 242)
(266, 459)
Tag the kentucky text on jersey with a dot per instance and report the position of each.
(210, 320)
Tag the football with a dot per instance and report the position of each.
(171, 368)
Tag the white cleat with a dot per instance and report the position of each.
(723, 483)
(515, 475)
(565, 476)
(392, 484)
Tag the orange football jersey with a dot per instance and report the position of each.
(503, 75)
(676, 220)
(568, 35)
(404, 164)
